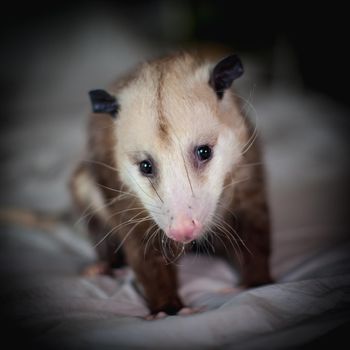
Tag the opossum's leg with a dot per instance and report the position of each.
(253, 227)
(157, 278)
(91, 210)
(255, 247)
(185, 311)
(105, 245)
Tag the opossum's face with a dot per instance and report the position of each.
(177, 142)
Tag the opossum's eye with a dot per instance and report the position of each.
(146, 168)
(203, 153)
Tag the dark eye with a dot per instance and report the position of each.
(146, 168)
(203, 153)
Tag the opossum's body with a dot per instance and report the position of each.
(171, 161)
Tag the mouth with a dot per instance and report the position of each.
(185, 241)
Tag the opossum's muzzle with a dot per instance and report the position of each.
(185, 230)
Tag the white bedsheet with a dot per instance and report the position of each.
(47, 297)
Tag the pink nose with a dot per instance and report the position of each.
(185, 231)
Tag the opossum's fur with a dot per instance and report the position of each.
(167, 108)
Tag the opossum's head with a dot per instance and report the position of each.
(179, 135)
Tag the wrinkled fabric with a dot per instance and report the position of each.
(47, 296)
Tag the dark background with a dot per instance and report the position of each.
(317, 34)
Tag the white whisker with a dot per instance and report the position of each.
(125, 238)
(116, 228)
(86, 214)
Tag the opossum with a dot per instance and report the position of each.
(172, 162)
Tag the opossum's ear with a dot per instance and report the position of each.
(103, 102)
(224, 73)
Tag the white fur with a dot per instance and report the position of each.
(194, 116)
(89, 193)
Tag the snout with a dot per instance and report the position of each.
(185, 230)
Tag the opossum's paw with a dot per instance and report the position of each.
(185, 311)
(95, 269)
(171, 307)
(156, 316)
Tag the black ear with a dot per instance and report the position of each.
(103, 102)
(224, 73)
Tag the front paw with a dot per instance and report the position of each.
(171, 307)
(185, 311)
